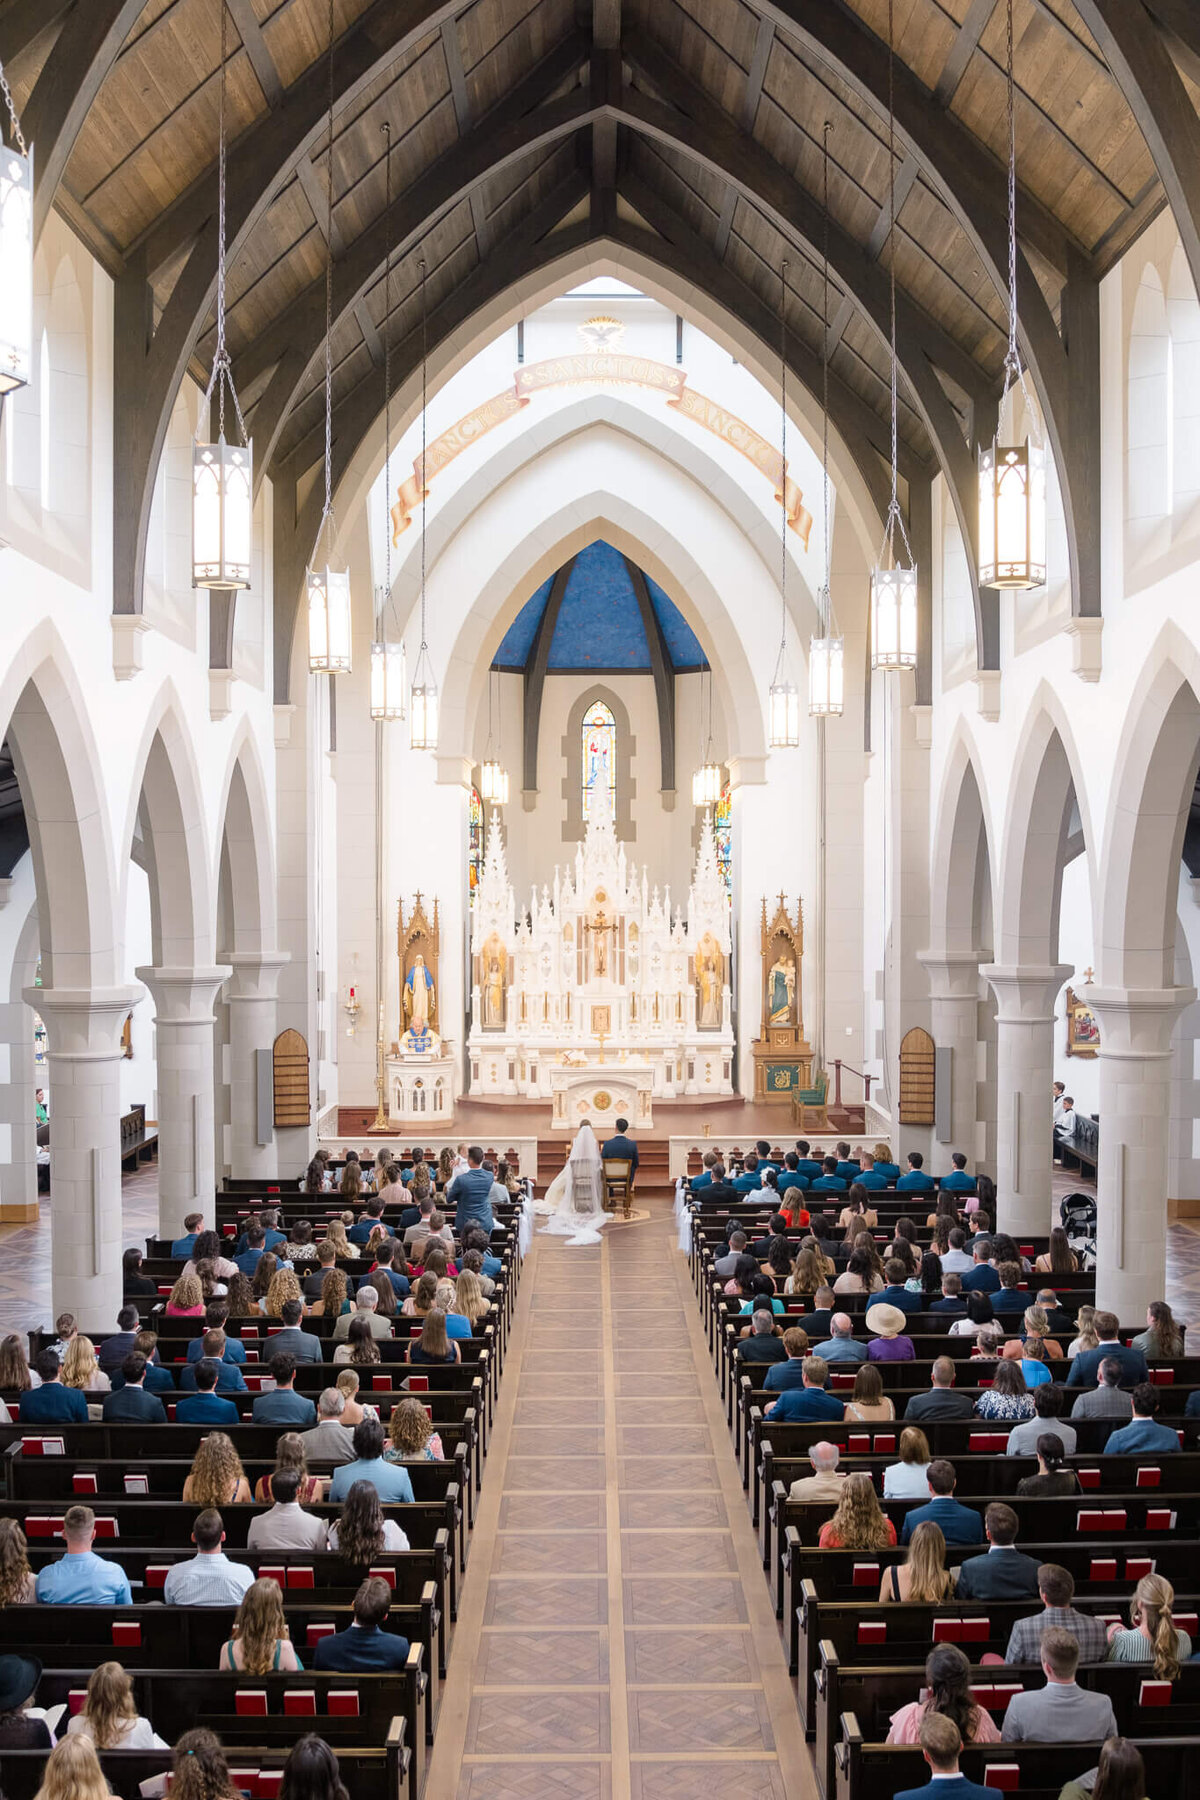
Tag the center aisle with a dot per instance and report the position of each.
(616, 1638)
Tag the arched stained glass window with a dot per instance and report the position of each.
(599, 758)
(723, 831)
(474, 843)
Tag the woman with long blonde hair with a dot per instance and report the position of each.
(200, 1771)
(217, 1477)
(240, 1297)
(858, 1523)
(335, 1234)
(386, 1303)
(350, 1186)
(290, 1454)
(808, 1270)
(284, 1286)
(924, 1575)
(81, 1369)
(1086, 1337)
(1152, 1634)
(16, 1578)
(354, 1412)
(110, 1717)
(260, 1643)
(469, 1300)
(186, 1300)
(422, 1181)
(411, 1436)
(265, 1270)
(73, 1772)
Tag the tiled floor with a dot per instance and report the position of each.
(616, 1640)
(25, 1303)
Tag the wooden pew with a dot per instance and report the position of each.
(876, 1771)
(369, 1771)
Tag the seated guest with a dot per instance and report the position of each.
(1053, 1477)
(52, 1402)
(1152, 1635)
(824, 1483)
(828, 1181)
(941, 1744)
(205, 1406)
(960, 1524)
(289, 1455)
(858, 1523)
(1108, 1348)
(273, 1237)
(1005, 1573)
(705, 1178)
(411, 1437)
(183, 1246)
(868, 1175)
(19, 1677)
(199, 1771)
(329, 1440)
(957, 1260)
(1030, 1357)
(923, 1575)
(1109, 1400)
(1048, 1404)
(762, 1346)
(981, 1277)
(255, 1240)
(216, 1477)
(313, 1282)
(1144, 1436)
(1162, 1339)
(216, 1315)
(1058, 1321)
(819, 1322)
(110, 1716)
(365, 1645)
(725, 1267)
(859, 1276)
(890, 1343)
(434, 1344)
(847, 1162)
(312, 1772)
(941, 1401)
(17, 1585)
(80, 1368)
(810, 1401)
(883, 1162)
(303, 1345)
(365, 1301)
(958, 1181)
(1010, 1298)
(372, 1216)
(81, 1578)
(283, 1405)
(791, 1177)
(1056, 1588)
(300, 1249)
(948, 1687)
(1120, 1774)
(810, 1271)
(1008, 1397)
(1059, 1259)
(287, 1526)
(858, 1211)
(384, 1268)
(790, 1372)
(209, 1578)
(116, 1348)
(261, 1644)
(157, 1380)
(915, 1180)
(1038, 1342)
(749, 1181)
(951, 1300)
(133, 1281)
(1085, 1332)
(841, 1346)
(868, 1404)
(908, 1479)
(808, 1165)
(391, 1483)
(360, 1347)
(1062, 1710)
(186, 1299)
(777, 1227)
(894, 1292)
(362, 1533)
(213, 1345)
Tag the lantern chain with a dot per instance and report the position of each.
(12, 113)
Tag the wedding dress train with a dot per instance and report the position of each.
(575, 1198)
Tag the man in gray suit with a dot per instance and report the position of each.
(291, 1341)
(1109, 1400)
(1062, 1711)
(329, 1440)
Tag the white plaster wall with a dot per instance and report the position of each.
(139, 1074)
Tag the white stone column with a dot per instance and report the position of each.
(183, 1005)
(1135, 1118)
(252, 999)
(18, 1124)
(1025, 1087)
(83, 1030)
(954, 1023)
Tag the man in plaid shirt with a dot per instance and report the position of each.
(1057, 1589)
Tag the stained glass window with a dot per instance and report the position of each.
(474, 842)
(599, 757)
(723, 831)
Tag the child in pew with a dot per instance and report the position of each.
(110, 1717)
(260, 1644)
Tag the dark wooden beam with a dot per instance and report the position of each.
(71, 77)
(604, 88)
(692, 122)
(906, 178)
(1181, 21)
(314, 191)
(255, 45)
(752, 98)
(24, 22)
(456, 75)
(533, 681)
(1137, 54)
(663, 670)
(725, 222)
(965, 44)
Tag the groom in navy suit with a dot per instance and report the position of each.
(941, 1744)
(622, 1148)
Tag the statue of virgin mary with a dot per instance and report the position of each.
(575, 1198)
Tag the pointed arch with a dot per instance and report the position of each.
(963, 863)
(1044, 792)
(167, 813)
(245, 849)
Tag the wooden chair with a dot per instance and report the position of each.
(618, 1183)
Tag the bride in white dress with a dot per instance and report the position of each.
(575, 1198)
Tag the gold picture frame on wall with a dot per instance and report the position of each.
(1083, 1027)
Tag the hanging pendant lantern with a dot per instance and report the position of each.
(222, 473)
(706, 782)
(783, 710)
(493, 783)
(827, 652)
(1012, 476)
(894, 577)
(389, 681)
(423, 715)
(16, 255)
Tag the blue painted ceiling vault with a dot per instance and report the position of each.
(599, 628)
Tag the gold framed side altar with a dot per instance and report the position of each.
(783, 1058)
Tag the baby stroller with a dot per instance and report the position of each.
(1078, 1215)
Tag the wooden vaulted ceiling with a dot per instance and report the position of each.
(688, 130)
